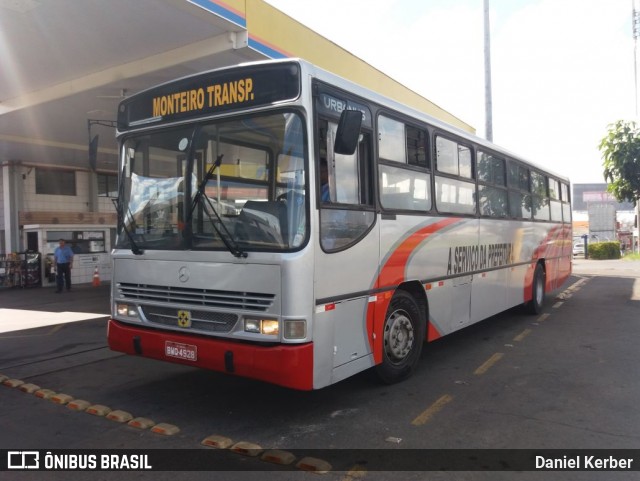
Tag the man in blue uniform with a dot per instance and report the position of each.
(63, 256)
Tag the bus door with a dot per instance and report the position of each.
(346, 260)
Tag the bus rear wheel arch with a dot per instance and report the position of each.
(403, 335)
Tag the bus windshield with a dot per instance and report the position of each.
(236, 184)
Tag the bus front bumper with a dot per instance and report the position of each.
(285, 365)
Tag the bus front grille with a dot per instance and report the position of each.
(199, 320)
(192, 298)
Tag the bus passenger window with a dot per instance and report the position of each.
(492, 188)
(391, 140)
(453, 158)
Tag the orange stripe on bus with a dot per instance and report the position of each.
(392, 274)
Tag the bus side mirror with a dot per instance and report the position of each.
(348, 132)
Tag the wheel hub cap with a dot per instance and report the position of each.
(398, 336)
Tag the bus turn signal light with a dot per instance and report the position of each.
(295, 329)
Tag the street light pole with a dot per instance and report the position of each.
(488, 103)
(635, 22)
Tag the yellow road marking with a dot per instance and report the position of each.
(488, 363)
(557, 304)
(522, 335)
(428, 413)
(543, 317)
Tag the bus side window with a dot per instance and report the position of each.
(540, 196)
(455, 190)
(342, 220)
(520, 206)
(404, 182)
(492, 188)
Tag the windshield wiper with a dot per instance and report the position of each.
(222, 231)
(134, 247)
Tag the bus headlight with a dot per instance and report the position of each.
(270, 327)
(126, 310)
(295, 329)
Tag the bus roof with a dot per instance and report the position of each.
(180, 98)
(418, 114)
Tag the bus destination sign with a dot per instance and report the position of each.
(211, 93)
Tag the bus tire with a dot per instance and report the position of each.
(403, 335)
(534, 306)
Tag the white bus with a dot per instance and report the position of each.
(280, 223)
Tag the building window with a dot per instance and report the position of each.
(107, 185)
(55, 182)
(81, 242)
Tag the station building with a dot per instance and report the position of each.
(67, 64)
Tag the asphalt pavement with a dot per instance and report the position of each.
(562, 380)
(27, 308)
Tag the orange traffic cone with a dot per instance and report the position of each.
(96, 277)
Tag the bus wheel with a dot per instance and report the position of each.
(537, 291)
(403, 335)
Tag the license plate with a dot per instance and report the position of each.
(178, 350)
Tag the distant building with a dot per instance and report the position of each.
(584, 194)
(591, 200)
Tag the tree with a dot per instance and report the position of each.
(621, 160)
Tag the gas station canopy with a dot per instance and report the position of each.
(67, 62)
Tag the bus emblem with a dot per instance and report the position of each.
(184, 318)
(183, 274)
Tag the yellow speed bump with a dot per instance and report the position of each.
(141, 423)
(44, 393)
(29, 388)
(3, 378)
(278, 456)
(314, 465)
(119, 416)
(61, 398)
(215, 441)
(98, 410)
(247, 449)
(165, 429)
(13, 382)
(78, 405)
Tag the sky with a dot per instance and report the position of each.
(562, 70)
